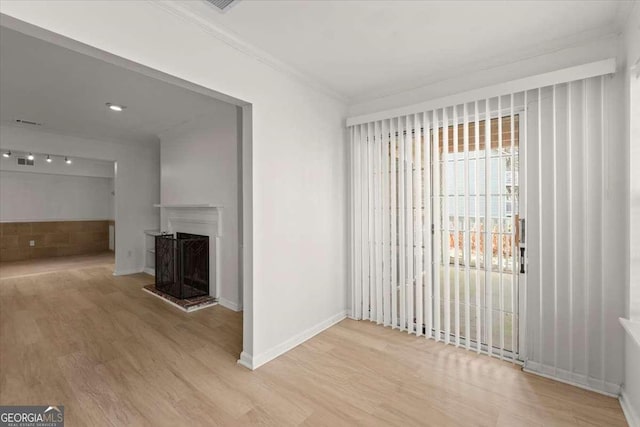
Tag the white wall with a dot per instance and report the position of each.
(137, 182)
(631, 53)
(632, 91)
(56, 190)
(299, 220)
(27, 196)
(199, 164)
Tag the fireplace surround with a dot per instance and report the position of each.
(200, 219)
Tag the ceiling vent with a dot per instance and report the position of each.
(222, 5)
(23, 161)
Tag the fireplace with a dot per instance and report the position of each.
(182, 265)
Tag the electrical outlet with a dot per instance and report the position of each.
(32, 242)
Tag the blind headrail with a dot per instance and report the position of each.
(578, 72)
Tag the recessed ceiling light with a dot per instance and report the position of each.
(49, 159)
(6, 154)
(67, 160)
(30, 156)
(115, 107)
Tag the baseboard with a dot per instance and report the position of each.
(633, 418)
(231, 305)
(246, 360)
(572, 378)
(150, 271)
(126, 272)
(279, 349)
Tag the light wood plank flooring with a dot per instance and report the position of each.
(114, 355)
(45, 265)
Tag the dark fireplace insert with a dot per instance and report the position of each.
(182, 265)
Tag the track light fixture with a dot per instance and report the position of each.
(49, 159)
(6, 154)
(67, 160)
(30, 156)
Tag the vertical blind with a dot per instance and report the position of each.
(437, 199)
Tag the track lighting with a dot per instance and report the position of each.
(30, 156)
(67, 160)
(6, 154)
(49, 160)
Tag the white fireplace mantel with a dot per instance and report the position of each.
(203, 219)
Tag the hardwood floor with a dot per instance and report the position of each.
(44, 265)
(114, 355)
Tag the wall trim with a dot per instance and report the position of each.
(231, 305)
(572, 378)
(127, 272)
(633, 418)
(246, 360)
(254, 362)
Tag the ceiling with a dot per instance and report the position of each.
(366, 49)
(66, 91)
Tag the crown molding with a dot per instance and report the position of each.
(184, 11)
(493, 63)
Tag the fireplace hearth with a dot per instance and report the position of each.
(182, 265)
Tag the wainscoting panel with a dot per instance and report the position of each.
(52, 239)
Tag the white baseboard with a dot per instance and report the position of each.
(633, 418)
(572, 378)
(150, 271)
(231, 305)
(254, 362)
(126, 272)
(246, 360)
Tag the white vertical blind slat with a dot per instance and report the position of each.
(393, 141)
(379, 234)
(401, 223)
(418, 218)
(364, 255)
(370, 222)
(522, 278)
(585, 180)
(437, 246)
(603, 185)
(446, 258)
(477, 228)
(500, 231)
(514, 225)
(570, 215)
(376, 225)
(386, 250)
(456, 235)
(467, 232)
(554, 148)
(410, 257)
(540, 267)
(428, 221)
(488, 241)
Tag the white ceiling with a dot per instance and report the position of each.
(66, 91)
(367, 49)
